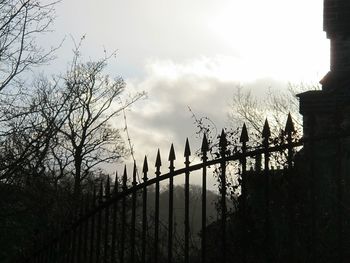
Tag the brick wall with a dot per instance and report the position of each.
(340, 54)
(336, 18)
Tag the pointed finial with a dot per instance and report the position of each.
(172, 156)
(205, 145)
(158, 159)
(145, 165)
(115, 190)
(107, 188)
(187, 149)
(134, 173)
(125, 178)
(289, 125)
(266, 133)
(223, 140)
(244, 134)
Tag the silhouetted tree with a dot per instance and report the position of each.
(21, 21)
(275, 105)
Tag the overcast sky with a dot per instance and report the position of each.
(194, 53)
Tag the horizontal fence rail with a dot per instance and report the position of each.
(116, 225)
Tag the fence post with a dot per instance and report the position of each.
(99, 224)
(122, 244)
(86, 230)
(156, 216)
(114, 220)
(171, 159)
(92, 229)
(144, 209)
(73, 233)
(266, 133)
(187, 154)
(80, 230)
(313, 190)
(133, 214)
(204, 149)
(289, 129)
(107, 197)
(223, 148)
(244, 139)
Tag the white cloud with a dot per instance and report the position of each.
(164, 117)
(193, 53)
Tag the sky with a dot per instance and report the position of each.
(193, 53)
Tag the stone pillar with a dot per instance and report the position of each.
(333, 101)
(326, 113)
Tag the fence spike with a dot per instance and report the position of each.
(115, 190)
(289, 125)
(266, 133)
(134, 173)
(244, 134)
(125, 178)
(205, 145)
(158, 160)
(187, 149)
(172, 156)
(145, 165)
(223, 140)
(107, 188)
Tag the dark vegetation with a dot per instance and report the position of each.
(56, 132)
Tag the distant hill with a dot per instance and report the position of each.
(179, 211)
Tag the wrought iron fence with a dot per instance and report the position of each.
(272, 222)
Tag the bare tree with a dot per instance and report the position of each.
(65, 127)
(21, 21)
(275, 105)
(87, 137)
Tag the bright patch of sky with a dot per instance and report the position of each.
(194, 53)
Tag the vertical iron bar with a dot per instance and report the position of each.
(171, 203)
(80, 233)
(123, 239)
(73, 233)
(187, 199)
(144, 210)
(92, 229)
(313, 192)
(80, 224)
(65, 247)
(223, 145)
(266, 135)
(244, 139)
(86, 232)
(133, 215)
(289, 129)
(114, 220)
(106, 232)
(156, 216)
(54, 256)
(204, 150)
(99, 225)
(74, 236)
(69, 245)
